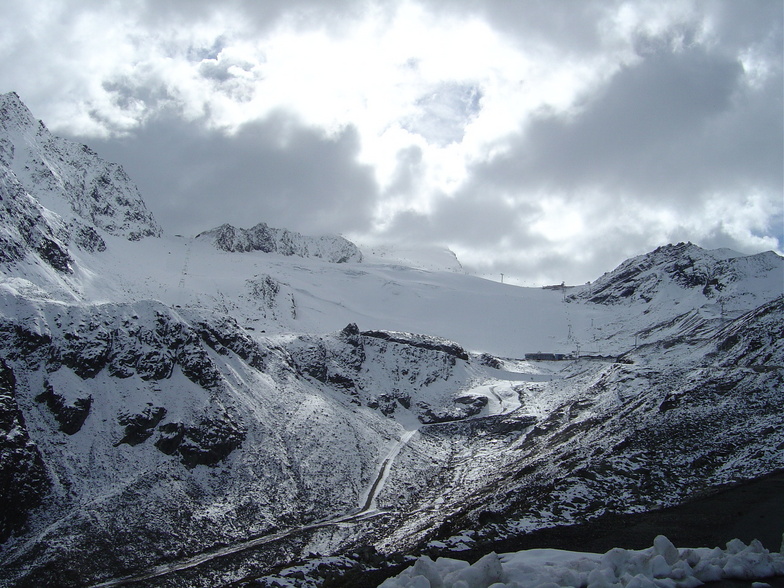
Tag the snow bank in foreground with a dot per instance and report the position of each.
(661, 566)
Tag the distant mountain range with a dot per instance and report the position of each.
(202, 410)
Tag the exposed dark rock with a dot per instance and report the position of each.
(209, 442)
(310, 358)
(341, 381)
(431, 343)
(350, 334)
(26, 229)
(197, 366)
(270, 240)
(352, 354)
(87, 238)
(468, 406)
(23, 478)
(54, 255)
(10, 250)
(490, 361)
(386, 403)
(139, 427)
(474, 402)
(23, 344)
(229, 335)
(155, 364)
(71, 416)
(171, 435)
(87, 351)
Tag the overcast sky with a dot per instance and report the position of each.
(548, 140)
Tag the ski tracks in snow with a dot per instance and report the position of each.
(184, 271)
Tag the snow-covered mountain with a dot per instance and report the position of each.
(675, 271)
(200, 410)
(69, 180)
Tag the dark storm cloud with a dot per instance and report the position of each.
(468, 218)
(740, 24)
(275, 170)
(677, 125)
(580, 27)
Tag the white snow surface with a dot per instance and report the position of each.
(319, 297)
(660, 566)
(424, 257)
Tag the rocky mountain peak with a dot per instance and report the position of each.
(14, 112)
(67, 178)
(264, 238)
(685, 266)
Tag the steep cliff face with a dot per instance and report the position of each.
(25, 228)
(392, 372)
(270, 240)
(80, 190)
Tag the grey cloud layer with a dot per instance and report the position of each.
(670, 132)
(677, 125)
(276, 170)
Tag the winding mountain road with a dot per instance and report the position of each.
(196, 560)
(366, 511)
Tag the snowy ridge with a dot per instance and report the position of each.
(423, 257)
(721, 276)
(174, 408)
(270, 240)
